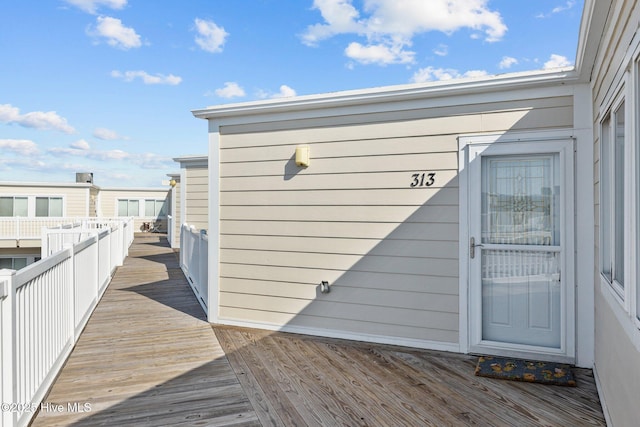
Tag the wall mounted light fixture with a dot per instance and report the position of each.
(302, 155)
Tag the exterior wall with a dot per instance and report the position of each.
(109, 203)
(75, 196)
(389, 251)
(196, 197)
(617, 337)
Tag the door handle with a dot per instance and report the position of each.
(473, 246)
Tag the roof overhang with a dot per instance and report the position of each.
(594, 19)
(380, 99)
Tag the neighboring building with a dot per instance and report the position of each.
(173, 223)
(27, 207)
(193, 191)
(48, 202)
(497, 215)
(148, 206)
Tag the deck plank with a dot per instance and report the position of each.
(323, 381)
(148, 356)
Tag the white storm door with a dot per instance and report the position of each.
(518, 286)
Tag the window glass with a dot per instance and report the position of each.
(42, 206)
(6, 206)
(19, 263)
(123, 206)
(134, 209)
(149, 208)
(20, 206)
(6, 263)
(605, 200)
(55, 206)
(618, 170)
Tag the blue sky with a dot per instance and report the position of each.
(107, 86)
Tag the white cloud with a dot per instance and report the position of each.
(230, 90)
(49, 120)
(285, 92)
(441, 50)
(158, 79)
(557, 61)
(558, 9)
(210, 37)
(507, 62)
(394, 23)
(22, 147)
(440, 74)
(91, 6)
(116, 33)
(379, 54)
(107, 134)
(80, 145)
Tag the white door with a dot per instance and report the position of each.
(520, 198)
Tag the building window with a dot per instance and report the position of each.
(13, 206)
(49, 206)
(13, 263)
(128, 207)
(612, 201)
(155, 208)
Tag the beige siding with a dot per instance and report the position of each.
(177, 223)
(197, 197)
(620, 387)
(109, 203)
(389, 251)
(75, 198)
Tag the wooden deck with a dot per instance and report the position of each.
(148, 357)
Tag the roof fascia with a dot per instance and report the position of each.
(192, 161)
(317, 105)
(594, 19)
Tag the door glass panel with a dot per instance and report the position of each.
(519, 201)
(521, 289)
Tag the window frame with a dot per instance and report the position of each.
(608, 168)
(48, 198)
(13, 206)
(157, 213)
(128, 200)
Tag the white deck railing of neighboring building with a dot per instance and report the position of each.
(43, 309)
(194, 254)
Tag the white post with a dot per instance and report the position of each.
(8, 392)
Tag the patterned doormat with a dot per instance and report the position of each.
(525, 370)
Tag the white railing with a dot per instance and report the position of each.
(43, 309)
(194, 254)
(54, 239)
(170, 230)
(19, 228)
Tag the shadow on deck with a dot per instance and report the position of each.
(148, 357)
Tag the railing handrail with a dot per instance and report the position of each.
(63, 288)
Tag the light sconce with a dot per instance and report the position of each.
(173, 182)
(302, 155)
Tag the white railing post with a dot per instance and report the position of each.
(8, 390)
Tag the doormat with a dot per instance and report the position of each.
(525, 370)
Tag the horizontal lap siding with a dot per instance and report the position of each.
(197, 197)
(75, 202)
(619, 387)
(389, 251)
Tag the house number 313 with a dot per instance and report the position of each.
(424, 179)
